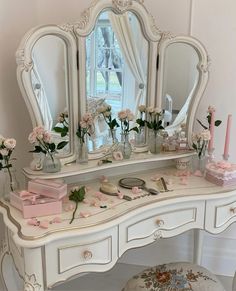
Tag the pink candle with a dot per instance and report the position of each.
(212, 130)
(227, 137)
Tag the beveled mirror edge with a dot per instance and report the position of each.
(25, 65)
(203, 69)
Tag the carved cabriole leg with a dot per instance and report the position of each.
(198, 244)
(34, 280)
(4, 249)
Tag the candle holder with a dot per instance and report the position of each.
(225, 157)
(210, 157)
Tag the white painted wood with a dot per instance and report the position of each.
(95, 243)
(198, 244)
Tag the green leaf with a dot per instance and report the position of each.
(52, 147)
(218, 122)
(194, 146)
(63, 134)
(58, 129)
(38, 149)
(61, 145)
(135, 129)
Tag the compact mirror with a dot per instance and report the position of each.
(129, 183)
(116, 51)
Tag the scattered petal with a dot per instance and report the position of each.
(84, 214)
(120, 195)
(44, 224)
(56, 220)
(103, 179)
(69, 207)
(33, 222)
(86, 201)
(183, 181)
(136, 190)
(94, 203)
(156, 177)
(198, 173)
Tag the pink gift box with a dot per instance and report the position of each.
(220, 181)
(35, 205)
(50, 188)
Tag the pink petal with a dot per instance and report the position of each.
(33, 222)
(156, 177)
(94, 203)
(86, 201)
(136, 190)
(56, 220)
(120, 195)
(183, 181)
(69, 207)
(87, 189)
(85, 214)
(198, 173)
(44, 224)
(103, 179)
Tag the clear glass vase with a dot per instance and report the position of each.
(51, 164)
(125, 146)
(112, 139)
(82, 153)
(8, 183)
(155, 141)
(140, 137)
(199, 164)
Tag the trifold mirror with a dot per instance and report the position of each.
(114, 54)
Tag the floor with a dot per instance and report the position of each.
(114, 280)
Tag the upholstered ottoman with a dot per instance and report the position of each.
(174, 277)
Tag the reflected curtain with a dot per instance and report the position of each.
(41, 99)
(125, 36)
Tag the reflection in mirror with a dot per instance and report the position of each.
(116, 67)
(50, 84)
(179, 84)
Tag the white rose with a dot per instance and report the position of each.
(142, 108)
(130, 116)
(83, 124)
(157, 110)
(206, 135)
(150, 110)
(4, 152)
(10, 143)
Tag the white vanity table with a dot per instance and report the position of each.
(46, 257)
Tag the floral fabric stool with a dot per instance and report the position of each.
(174, 277)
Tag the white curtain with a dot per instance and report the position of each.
(42, 100)
(125, 36)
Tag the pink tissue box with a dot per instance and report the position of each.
(50, 188)
(35, 205)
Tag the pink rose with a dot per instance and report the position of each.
(47, 137)
(32, 137)
(39, 132)
(87, 116)
(122, 115)
(83, 124)
(10, 143)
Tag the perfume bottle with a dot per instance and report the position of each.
(182, 142)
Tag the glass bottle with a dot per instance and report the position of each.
(51, 164)
(8, 183)
(82, 153)
(125, 146)
(182, 141)
(140, 137)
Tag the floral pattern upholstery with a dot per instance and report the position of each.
(174, 277)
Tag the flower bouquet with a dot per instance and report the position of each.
(42, 141)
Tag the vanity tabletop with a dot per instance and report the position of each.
(99, 211)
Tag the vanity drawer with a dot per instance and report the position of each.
(160, 222)
(220, 213)
(96, 252)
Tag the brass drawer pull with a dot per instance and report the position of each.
(87, 255)
(160, 222)
(233, 210)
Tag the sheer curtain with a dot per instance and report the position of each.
(125, 36)
(41, 99)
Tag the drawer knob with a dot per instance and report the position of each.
(233, 210)
(87, 255)
(157, 235)
(160, 222)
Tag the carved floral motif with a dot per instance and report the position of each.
(30, 283)
(20, 59)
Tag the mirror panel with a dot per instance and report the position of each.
(116, 64)
(49, 77)
(180, 79)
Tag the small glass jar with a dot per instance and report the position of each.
(51, 164)
(199, 164)
(111, 138)
(155, 141)
(125, 146)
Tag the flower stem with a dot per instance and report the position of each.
(10, 176)
(73, 216)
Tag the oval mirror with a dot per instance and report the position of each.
(116, 68)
